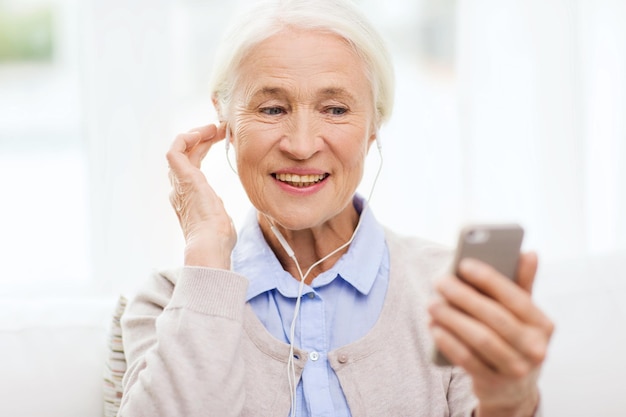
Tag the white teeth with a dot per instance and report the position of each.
(300, 180)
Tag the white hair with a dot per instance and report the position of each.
(268, 17)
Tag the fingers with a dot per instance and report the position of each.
(205, 131)
(184, 157)
(494, 319)
(489, 325)
(490, 282)
(496, 336)
(192, 147)
(483, 347)
(527, 270)
(208, 230)
(208, 130)
(462, 356)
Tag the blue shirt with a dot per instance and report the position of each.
(340, 306)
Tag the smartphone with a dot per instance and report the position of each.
(498, 245)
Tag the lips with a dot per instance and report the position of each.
(300, 181)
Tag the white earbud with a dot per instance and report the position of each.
(227, 148)
(227, 139)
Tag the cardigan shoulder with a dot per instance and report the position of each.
(423, 260)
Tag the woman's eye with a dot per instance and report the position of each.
(336, 111)
(272, 111)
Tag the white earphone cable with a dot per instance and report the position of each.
(227, 148)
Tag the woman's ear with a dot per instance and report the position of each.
(222, 130)
(374, 137)
(218, 108)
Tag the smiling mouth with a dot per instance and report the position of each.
(300, 181)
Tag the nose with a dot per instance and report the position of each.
(302, 139)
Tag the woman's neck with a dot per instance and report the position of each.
(312, 244)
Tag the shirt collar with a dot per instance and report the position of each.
(253, 258)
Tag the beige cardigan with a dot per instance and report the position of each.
(195, 348)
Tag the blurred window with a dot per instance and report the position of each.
(44, 212)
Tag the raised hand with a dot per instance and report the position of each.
(209, 232)
(490, 326)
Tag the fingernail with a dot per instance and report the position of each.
(469, 266)
(434, 305)
(439, 285)
(436, 331)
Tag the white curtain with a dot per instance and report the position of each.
(542, 89)
(529, 128)
(145, 80)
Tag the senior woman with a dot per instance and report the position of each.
(313, 308)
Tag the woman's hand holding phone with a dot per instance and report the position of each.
(487, 323)
(208, 230)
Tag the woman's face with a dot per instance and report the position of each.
(303, 121)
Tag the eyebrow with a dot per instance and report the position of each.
(327, 92)
(269, 92)
(337, 91)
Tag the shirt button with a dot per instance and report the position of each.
(311, 295)
(314, 356)
(343, 358)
